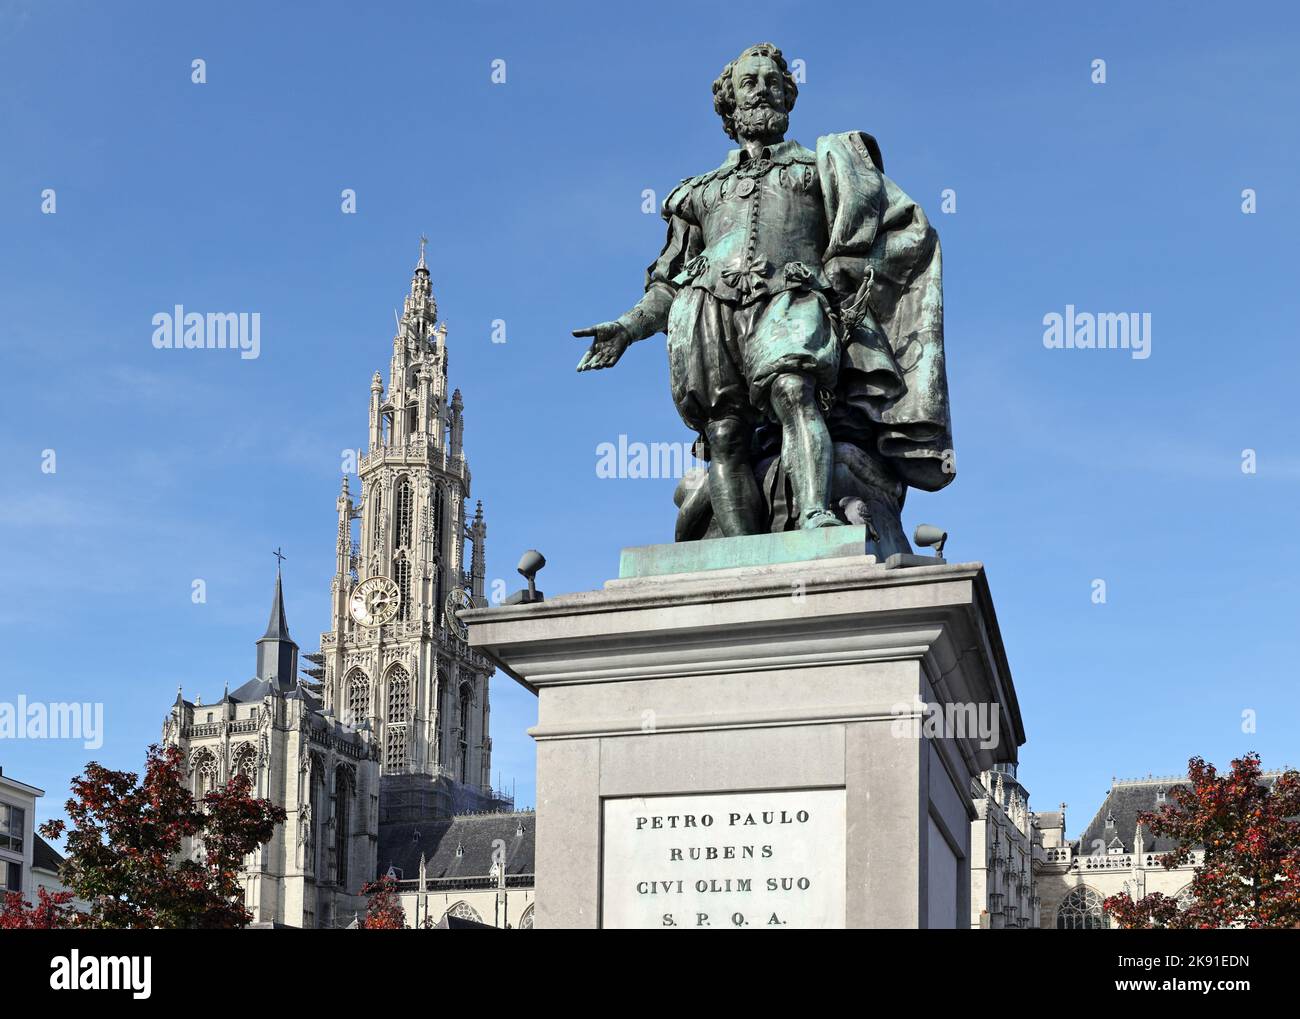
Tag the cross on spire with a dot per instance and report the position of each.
(279, 558)
(423, 241)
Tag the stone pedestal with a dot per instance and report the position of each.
(786, 745)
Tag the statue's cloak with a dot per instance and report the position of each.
(892, 396)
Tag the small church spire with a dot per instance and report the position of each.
(277, 654)
(277, 628)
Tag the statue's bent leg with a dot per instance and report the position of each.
(806, 450)
(734, 492)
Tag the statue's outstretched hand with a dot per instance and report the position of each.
(609, 340)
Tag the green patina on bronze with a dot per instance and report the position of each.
(801, 292)
(743, 550)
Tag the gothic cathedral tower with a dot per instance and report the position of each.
(395, 660)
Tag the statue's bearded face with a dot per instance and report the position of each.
(761, 112)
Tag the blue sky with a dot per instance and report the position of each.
(1074, 465)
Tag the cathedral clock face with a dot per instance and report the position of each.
(374, 601)
(458, 599)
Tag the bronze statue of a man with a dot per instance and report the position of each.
(801, 293)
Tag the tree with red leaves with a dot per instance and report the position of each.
(124, 851)
(1250, 876)
(383, 909)
(50, 913)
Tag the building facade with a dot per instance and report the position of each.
(1004, 892)
(27, 862)
(1114, 854)
(395, 657)
(275, 729)
(17, 835)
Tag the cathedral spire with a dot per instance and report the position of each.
(388, 661)
(277, 654)
(277, 627)
(422, 288)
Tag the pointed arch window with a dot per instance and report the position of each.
(395, 748)
(205, 774)
(463, 911)
(1081, 910)
(316, 818)
(402, 514)
(402, 578)
(342, 823)
(399, 694)
(358, 698)
(466, 703)
(399, 710)
(244, 761)
(440, 516)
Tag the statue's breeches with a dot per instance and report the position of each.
(722, 357)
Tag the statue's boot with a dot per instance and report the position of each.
(820, 518)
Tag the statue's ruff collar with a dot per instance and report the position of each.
(782, 153)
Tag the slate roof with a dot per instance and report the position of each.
(1128, 798)
(45, 856)
(1122, 804)
(277, 628)
(255, 689)
(400, 845)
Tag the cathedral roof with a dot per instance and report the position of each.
(255, 689)
(1121, 808)
(1128, 798)
(459, 846)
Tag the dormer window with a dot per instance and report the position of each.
(1160, 796)
(460, 849)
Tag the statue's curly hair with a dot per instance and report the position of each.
(724, 92)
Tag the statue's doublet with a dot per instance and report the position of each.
(762, 224)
